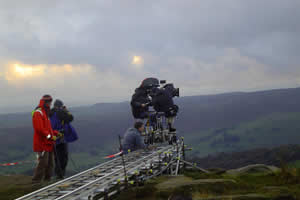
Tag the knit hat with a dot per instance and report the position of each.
(58, 103)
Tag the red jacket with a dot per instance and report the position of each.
(43, 132)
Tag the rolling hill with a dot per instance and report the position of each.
(210, 123)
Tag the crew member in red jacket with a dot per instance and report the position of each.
(43, 140)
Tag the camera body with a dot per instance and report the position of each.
(170, 88)
(149, 83)
(152, 86)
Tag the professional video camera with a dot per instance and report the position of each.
(150, 84)
(170, 88)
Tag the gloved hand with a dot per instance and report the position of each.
(60, 135)
(54, 138)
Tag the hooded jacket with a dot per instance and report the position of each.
(43, 133)
(132, 140)
(162, 101)
(139, 97)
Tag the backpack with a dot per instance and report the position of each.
(70, 134)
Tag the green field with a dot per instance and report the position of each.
(270, 131)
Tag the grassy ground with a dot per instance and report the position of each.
(284, 184)
(15, 186)
(194, 185)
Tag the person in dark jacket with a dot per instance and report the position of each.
(162, 101)
(60, 116)
(140, 104)
(132, 139)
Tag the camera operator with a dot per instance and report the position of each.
(60, 120)
(162, 101)
(140, 104)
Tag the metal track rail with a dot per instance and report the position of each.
(101, 180)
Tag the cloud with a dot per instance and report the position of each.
(77, 84)
(101, 32)
(108, 47)
(229, 72)
(17, 73)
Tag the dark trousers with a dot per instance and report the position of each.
(61, 159)
(44, 167)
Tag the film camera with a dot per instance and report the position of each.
(170, 88)
(150, 84)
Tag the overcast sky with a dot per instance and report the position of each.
(99, 50)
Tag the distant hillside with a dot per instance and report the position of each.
(268, 131)
(227, 110)
(203, 120)
(287, 154)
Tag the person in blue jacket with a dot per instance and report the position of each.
(132, 139)
(60, 120)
